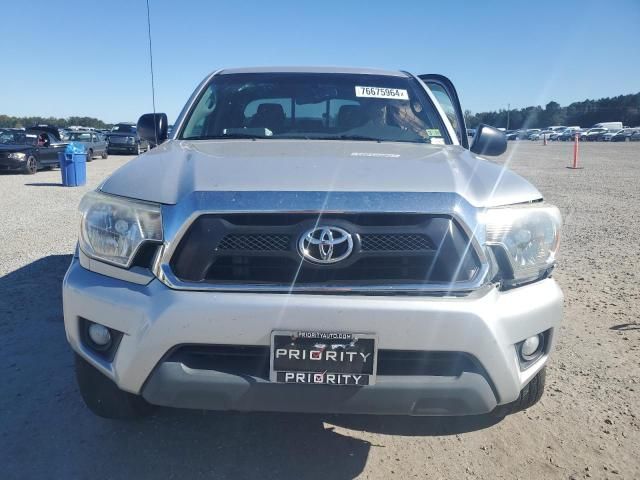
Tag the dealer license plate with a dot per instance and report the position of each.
(323, 358)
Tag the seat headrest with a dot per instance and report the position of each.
(350, 116)
(273, 110)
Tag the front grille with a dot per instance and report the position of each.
(396, 242)
(253, 361)
(255, 242)
(262, 249)
(118, 139)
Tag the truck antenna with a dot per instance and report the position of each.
(153, 90)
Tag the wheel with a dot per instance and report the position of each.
(105, 154)
(104, 398)
(89, 155)
(31, 167)
(529, 396)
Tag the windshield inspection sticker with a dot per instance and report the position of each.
(433, 132)
(381, 92)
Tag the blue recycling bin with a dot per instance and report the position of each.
(73, 165)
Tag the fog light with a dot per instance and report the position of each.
(530, 347)
(99, 334)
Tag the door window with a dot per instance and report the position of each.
(446, 95)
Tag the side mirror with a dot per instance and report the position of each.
(489, 141)
(152, 127)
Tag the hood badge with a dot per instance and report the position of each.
(325, 244)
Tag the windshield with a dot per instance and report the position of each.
(17, 138)
(315, 107)
(124, 129)
(80, 137)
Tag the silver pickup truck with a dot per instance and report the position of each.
(315, 240)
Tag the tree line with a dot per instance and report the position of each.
(623, 108)
(7, 121)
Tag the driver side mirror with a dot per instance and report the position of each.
(489, 141)
(152, 127)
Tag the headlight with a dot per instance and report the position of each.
(131, 140)
(113, 228)
(527, 237)
(17, 155)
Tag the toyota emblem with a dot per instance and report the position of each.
(325, 244)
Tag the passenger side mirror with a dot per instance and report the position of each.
(152, 127)
(489, 141)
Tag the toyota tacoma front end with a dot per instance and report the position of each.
(315, 240)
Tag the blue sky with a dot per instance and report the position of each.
(91, 58)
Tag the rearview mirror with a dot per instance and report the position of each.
(153, 127)
(489, 141)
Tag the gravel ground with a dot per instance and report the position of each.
(586, 426)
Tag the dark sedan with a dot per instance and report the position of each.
(623, 135)
(593, 134)
(29, 151)
(123, 138)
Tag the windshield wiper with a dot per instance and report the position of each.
(347, 137)
(228, 135)
(359, 137)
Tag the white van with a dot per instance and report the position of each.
(611, 126)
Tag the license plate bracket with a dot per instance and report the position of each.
(323, 358)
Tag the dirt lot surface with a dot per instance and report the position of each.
(586, 426)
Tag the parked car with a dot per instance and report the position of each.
(124, 138)
(514, 134)
(635, 136)
(541, 134)
(336, 271)
(554, 136)
(531, 131)
(536, 135)
(623, 135)
(569, 134)
(30, 150)
(94, 143)
(592, 134)
(606, 137)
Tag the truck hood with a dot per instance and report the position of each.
(177, 168)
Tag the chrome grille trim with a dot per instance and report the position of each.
(178, 218)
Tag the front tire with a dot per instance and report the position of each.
(105, 154)
(89, 155)
(104, 398)
(529, 396)
(31, 166)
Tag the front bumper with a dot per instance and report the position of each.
(9, 164)
(155, 319)
(122, 147)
